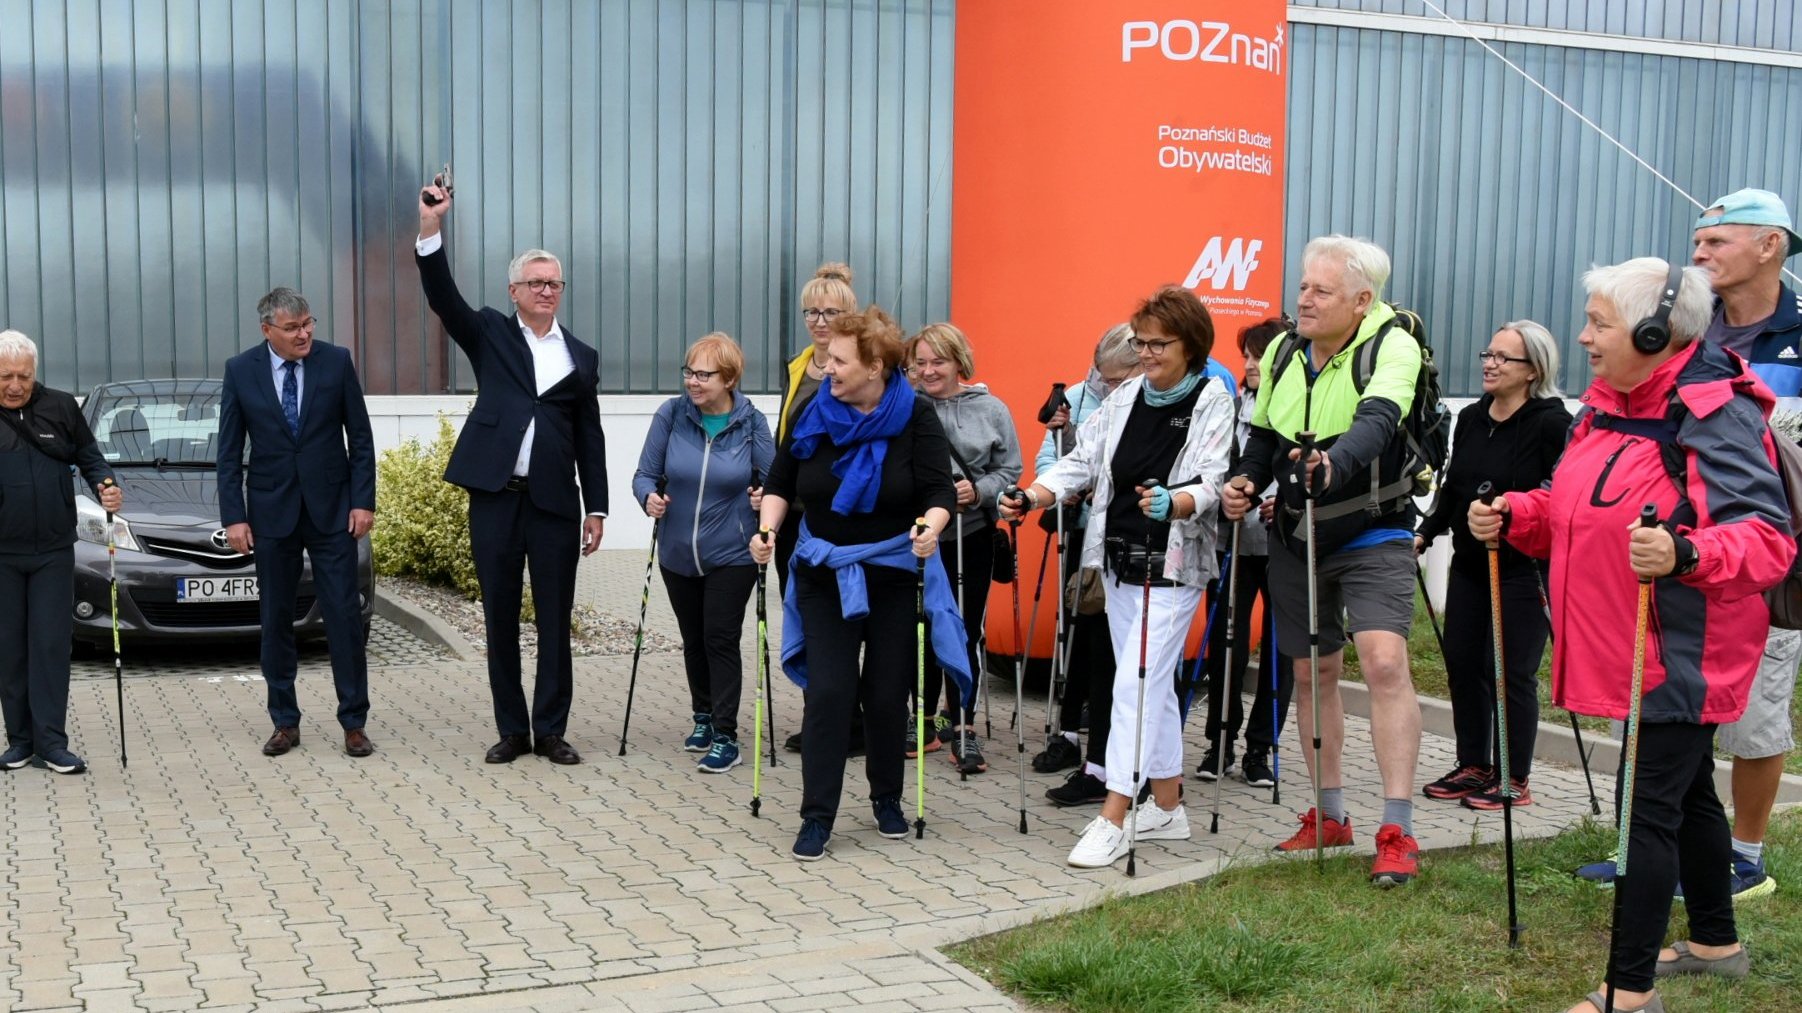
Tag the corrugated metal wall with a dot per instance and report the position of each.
(1491, 199)
(1761, 24)
(165, 162)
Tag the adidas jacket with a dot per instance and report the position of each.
(1707, 629)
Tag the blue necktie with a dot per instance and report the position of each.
(291, 398)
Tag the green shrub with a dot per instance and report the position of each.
(424, 521)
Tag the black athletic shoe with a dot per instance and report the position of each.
(1080, 788)
(1211, 769)
(1256, 770)
(793, 743)
(1060, 754)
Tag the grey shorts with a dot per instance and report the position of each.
(1359, 590)
(1764, 729)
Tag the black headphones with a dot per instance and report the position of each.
(1653, 334)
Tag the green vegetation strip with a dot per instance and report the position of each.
(1281, 937)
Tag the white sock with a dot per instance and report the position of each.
(1096, 771)
(1072, 737)
(1750, 852)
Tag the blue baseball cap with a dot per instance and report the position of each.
(1752, 207)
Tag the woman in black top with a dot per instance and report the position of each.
(868, 456)
(1511, 437)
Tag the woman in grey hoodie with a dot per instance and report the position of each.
(700, 472)
(985, 460)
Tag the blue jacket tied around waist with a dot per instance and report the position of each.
(942, 618)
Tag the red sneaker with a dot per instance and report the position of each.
(1338, 834)
(1398, 857)
(1491, 800)
(1462, 781)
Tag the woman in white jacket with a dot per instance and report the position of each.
(1174, 425)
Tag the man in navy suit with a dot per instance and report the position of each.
(535, 425)
(299, 402)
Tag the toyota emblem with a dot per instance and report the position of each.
(220, 541)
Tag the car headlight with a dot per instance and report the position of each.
(90, 524)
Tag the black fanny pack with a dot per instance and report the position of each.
(1132, 564)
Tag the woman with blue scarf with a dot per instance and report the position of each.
(868, 456)
(1175, 424)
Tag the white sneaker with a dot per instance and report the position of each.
(1157, 824)
(1102, 845)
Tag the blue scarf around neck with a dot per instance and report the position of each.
(862, 439)
(1165, 398)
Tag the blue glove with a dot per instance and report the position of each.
(1160, 504)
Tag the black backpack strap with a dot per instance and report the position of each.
(1662, 431)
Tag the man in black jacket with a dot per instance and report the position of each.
(42, 435)
(536, 424)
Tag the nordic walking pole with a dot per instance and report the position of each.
(1132, 817)
(963, 727)
(1545, 605)
(769, 689)
(1276, 709)
(1648, 518)
(1013, 535)
(1032, 623)
(920, 686)
(1201, 656)
(644, 603)
(1420, 577)
(1486, 493)
(112, 580)
(1306, 440)
(763, 674)
(1228, 675)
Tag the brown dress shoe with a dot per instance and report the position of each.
(356, 743)
(509, 748)
(554, 748)
(283, 740)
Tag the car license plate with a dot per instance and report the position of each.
(199, 589)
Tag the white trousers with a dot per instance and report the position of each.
(1161, 749)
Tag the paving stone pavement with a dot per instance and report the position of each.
(206, 876)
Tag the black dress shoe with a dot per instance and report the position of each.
(509, 748)
(554, 748)
(283, 740)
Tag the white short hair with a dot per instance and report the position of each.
(15, 345)
(516, 271)
(1366, 264)
(1634, 287)
(1542, 355)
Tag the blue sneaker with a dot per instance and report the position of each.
(701, 739)
(890, 823)
(63, 762)
(1749, 880)
(721, 758)
(810, 843)
(16, 757)
(1600, 873)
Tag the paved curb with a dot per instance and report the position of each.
(1556, 744)
(424, 625)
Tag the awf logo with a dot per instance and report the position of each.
(1221, 264)
(1206, 42)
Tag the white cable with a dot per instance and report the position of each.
(1574, 111)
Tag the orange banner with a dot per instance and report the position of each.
(1103, 150)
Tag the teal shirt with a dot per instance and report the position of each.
(715, 424)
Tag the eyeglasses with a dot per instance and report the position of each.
(297, 326)
(1155, 347)
(702, 375)
(1497, 357)
(1111, 383)
(816, 315)
(550, 285)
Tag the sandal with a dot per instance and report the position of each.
(1733, 965)
(1652, 1005)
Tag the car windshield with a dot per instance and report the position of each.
(166, 430)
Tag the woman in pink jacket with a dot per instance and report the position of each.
(1679, 424)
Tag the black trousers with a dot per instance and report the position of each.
(334, 557)
(836, 684)
(975, 579)
(35, 627)
(710, 612)
(787, 537)
(1679, 833)
(1259, 733)
(1470, 666)
(507, 534)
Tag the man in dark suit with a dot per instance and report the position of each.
(536, 424)
(300, 403)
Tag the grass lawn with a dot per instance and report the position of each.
(1281, 937)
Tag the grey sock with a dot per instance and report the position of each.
(1332, 804)
(1400, 811)
(1073, 739)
